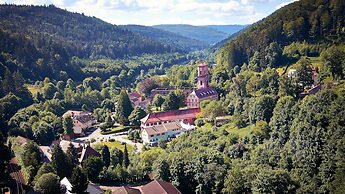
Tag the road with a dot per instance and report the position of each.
(97, 136)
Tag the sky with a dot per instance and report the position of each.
(153, 12)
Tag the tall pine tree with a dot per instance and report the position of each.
(123, 108)
(60, 162)
(105, 155)
(125, 161)
(79, 181)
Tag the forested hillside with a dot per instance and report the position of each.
(228, 29)
(167, 38)
(201, 33)
(313, 21)
(40, 41)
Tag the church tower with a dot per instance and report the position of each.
(202, 75)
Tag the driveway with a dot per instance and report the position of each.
(97, 136)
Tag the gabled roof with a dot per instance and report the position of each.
(159, 187)
(205, 92)
(81, 116)
(162, 128)
(126, 190)
(171, 115)
(87, 152)
(134, 95)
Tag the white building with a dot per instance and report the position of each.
(152, 134)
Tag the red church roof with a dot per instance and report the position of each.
(172, 115)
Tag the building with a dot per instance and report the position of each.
(164, 91)
(184, 115)
(87, 152)
(154, 187)
(91, 188)
(81, 120)
(137, 100)
(165, 131)
(203, 91)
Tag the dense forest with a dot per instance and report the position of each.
(168, 38)
(52, 37)
(313, 21)
(205, 34)
(267, 133)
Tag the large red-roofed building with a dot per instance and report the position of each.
(158, 118)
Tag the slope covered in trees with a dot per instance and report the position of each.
(40, 40)
(167, 38)
(201, 33)
(313, 21)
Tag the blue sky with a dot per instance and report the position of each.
(151, 12)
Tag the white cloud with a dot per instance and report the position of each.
(285, 3)
(165, 11)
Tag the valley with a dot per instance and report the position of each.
(90, 106)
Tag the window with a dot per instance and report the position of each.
(163, 133)
(151, 135)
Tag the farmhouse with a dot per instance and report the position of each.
(81, 120)
(203, 91)
(152, 134)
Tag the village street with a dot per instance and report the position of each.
(120, 137)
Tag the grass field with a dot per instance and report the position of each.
(315, 61)
(115, 144)
(116, 129)
(241, 132)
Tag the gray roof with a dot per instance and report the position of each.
(205, 92)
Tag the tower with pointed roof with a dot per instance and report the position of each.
(203, 91)
(202, 76)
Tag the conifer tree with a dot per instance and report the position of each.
(125, 161)
(79, 181)
(123, 108)
(60, 163)
(68, 125)
(105, 155)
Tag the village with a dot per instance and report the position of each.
(154, 128)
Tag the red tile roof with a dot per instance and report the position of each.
(15, 172)
(87, 152)
(22, 140)
(159, 187)
(134, 94)
(126, 190)
(172, 115)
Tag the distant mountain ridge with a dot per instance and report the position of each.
(167, 38)
(44, 39)
(208, 34)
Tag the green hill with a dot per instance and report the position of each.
(313, 21)
(228, 29)
(167, 38)
(201, 33)
(40, 41)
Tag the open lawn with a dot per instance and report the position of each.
(315, 61)
(116, 129)
(241, 132)
(115, 144)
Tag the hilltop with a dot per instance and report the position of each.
(42, 40)
(314, 22)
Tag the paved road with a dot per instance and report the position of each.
(96, 135)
